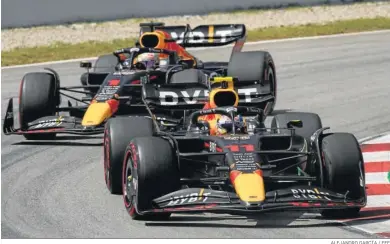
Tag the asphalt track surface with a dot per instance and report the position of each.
(57, 190)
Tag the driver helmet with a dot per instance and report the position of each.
(147, 60)
(225, 125)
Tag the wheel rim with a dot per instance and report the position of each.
(128, 183)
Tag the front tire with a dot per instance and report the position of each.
(343, 171)
(150, 170)
(117, 134)
(37, 99)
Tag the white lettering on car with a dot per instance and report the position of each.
(223, 34)
(184, 94)
(49, 123)
(189, 198)
(188, 99)
(312, 194)
(200, 37)
(247, 92)
(165, 94)
(194, 37)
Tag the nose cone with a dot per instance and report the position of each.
(249, 186)
(96, 114)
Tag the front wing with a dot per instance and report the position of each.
(48, 124)
(300, 198)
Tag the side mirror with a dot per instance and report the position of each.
(86, 64)
(295, 123)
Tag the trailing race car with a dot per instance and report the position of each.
(159, 61)
(224, 160)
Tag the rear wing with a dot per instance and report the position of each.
(200, 36)
(196, 95)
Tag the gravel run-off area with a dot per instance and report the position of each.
(253, 19)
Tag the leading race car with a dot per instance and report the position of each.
(223, 159)
(159, 60)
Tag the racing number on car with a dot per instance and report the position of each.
(236, 148)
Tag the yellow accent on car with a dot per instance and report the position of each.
(222, 92)
(96, 114)
(201, 193)
(211, 33)
(250, 187)
(152, 40)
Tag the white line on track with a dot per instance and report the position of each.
(382, 139)
(377, 201)
(204, 48)
(377, 178)
(376, 156)
(372, 228)
(375, 138)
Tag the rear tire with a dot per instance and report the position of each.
(343, 171)
(117, 134)
(311, 123)
(37, 99)
(105, 64)
(150, 170)
(255, 66)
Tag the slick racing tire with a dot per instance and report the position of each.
(311, 123)
(343, 170)
(37, 99)
(150, 170)
(105, 64)
(118, 133)
(255, 66)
